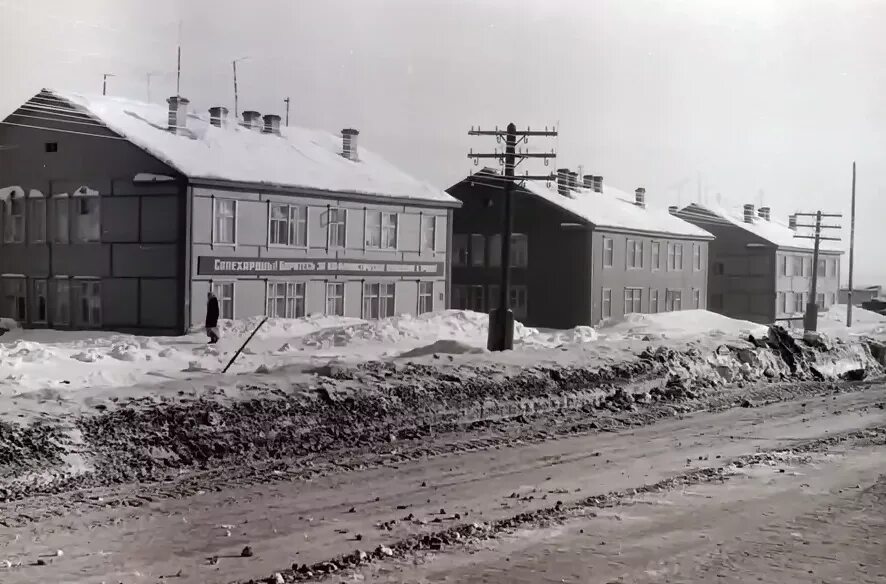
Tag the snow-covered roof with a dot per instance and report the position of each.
(772, 230)
(298, 157)
(614, 209)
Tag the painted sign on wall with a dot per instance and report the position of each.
(228, 266)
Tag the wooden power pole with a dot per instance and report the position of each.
(501, 320)
(810, 319)
(851, 252)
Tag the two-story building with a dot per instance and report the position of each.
(123, 215)
(582, 252)
(759, 270)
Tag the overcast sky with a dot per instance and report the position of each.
(756, 100)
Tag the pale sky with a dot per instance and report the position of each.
(750, 99)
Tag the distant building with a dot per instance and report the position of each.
(860, 294)
(122, 215)
(582, 252)
(758, 270)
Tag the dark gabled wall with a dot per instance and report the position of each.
(557, 277)
(140, 258)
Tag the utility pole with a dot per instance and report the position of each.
(105, 82)
(810, 319)
(851, 252)
(234, 64)
(501, 320)
(286, 101)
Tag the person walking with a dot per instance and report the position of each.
(212, 318)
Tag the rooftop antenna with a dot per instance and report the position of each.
(286, 101)
(105, 82)
(236, 97)
(178, 71)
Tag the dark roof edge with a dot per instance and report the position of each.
(319, 193)
(667, 234)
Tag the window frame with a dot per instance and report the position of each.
(634, 296)
(92, 306)
(518, 259)
(422, 232)
(608, 247)
(328, 297)
(473, 256)
(341, 225)
(631, 247)
(696, 298)
(289, 223)
(32, 213)
(57, 206)
(475, 292)
(215, 287)
(460, 254)
(34, 300)
(379, 295)
(216, 207)
(696, 257)
(17, 296)
(15, 225)
(81, 196)
(605, 301)
(425, 295)
(56, 297)
(653, 306)
(655, 253)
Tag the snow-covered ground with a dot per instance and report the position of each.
(47, 365)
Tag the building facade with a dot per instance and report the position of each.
(114, 218)
(758, 270)
(860, 294)
(579, 256)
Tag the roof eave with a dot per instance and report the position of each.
(666, 234)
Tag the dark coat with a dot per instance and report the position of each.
(212, 313)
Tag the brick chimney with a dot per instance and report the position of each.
(218, 116)
(563, 181)
(640, 197)
(792, 222)
(763, 213)
(673, 209)
(252, 120)
(589, 181)
(749, 213)
(272, 124)
(349, 143)
(598, 184)
(178, 114)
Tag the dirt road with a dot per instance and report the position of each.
(824, 513)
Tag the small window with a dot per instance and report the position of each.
(696, 298)
(425, 297)
(518, 299)
(14, 220)
(335, 298)
(459, 249)
(224, 292)
(633, 300)
(51, 146)
(337, 226)
(821, 268)
(678, 256)
(37, 219)
(672, 256)
(519, 250)
(378, 300)
(608, 253)
(61, 225)
(288, 225)
(428, 233)
(15, 299)
(673, 300)
(656, 255)
(606, 304)
(478, 250)
(477, 298)
(781, 300)
(783, 265)
(61, 302)
(87, 303)
(653, 301)
(819, 300)
(86, 218)
(696, 257)
(225, 222)
(39, 303)
(634, 254)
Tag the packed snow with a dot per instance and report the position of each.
(297, 158)
(39, 366)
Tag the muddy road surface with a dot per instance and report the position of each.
(767, 492)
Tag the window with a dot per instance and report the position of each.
(696, 257)
(336, 227)
(653, 300)
(519, 250)
(656, 255)
(224, 292)
(696, 298)
(378, 300)
(459, 297)
(37, 219)
(493, 250)
(807, 266)
(673, 300)
(606, 304)
(819, 300)
(335, 298)
(675, 256)
(425, 297)
(51, 146)
(634, 253)
(381, 230)
(478, 250)
(39, 306)
(428, 233)
(225, 222)
(633, 300)
(518, 302)
(87, 303)
(798, 266)
(60, 219)
(288, 225)
(608, 247)
(459, 249)
(719, 269)
(14, 299)
(286, 299)
(781, 303)
(14, 221)
(783, 265)
(476, 298)
(86, 216)
(61, 302)
(821, 268)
